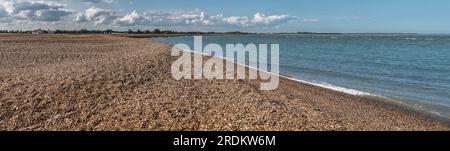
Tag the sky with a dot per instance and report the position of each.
(386, 16)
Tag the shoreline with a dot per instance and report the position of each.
(402, 105)
(101, 82)
(385, 101)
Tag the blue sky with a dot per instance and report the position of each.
(421, 16)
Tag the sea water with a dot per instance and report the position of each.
(413, 69)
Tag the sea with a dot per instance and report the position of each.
(411, 69)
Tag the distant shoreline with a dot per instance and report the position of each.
(169, 33)
(224, 34)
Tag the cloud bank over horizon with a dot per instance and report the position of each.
(56, 14)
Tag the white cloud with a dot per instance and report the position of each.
(181, 18)
(311, 20)
(259, 19)
(195, 17)
(129, 19)
(33, 10)
(7, 7)
(262, 19)
(237, 20)
(27, 13)
(97, 16)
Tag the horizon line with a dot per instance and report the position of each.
(218, 32)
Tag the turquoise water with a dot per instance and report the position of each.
(411, 68)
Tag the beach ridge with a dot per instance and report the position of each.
(102, 82)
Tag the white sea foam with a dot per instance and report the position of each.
(332, 87)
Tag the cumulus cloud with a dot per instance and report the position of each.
(181, 18)
(33, 10)
(262, 19)
(129, 19)
(259, 19)
(237, 20)
(97, 16)
(195, 17)
(7, 7)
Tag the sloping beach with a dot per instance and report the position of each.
(101, 82)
